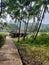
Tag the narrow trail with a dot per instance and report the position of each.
(9, 54)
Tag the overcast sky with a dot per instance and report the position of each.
(45, 20)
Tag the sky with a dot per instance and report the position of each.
(45, 20)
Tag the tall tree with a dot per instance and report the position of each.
(17, 7)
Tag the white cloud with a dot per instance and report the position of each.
(8, 18)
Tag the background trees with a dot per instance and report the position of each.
(28, 9)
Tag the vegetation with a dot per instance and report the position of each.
(33, 49)
(24, 10)
(2, 39)
(34, 53)
(4, 34)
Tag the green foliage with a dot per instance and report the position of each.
(4, 34)
(22, 9)
(2, 39)
(42, 39)
(37, 51)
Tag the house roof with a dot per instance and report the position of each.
(17, 31)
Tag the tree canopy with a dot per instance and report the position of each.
(28, 9)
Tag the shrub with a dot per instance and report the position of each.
(42, 39)
(2, 40)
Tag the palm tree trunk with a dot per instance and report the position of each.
(39, 25)
(25, 31)
(19, 31)
(38, 30)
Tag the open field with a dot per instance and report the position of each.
(34, 53)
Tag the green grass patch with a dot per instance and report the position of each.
(37, 50)
(4, 33)
(2, 38)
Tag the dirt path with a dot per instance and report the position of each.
(9, 54)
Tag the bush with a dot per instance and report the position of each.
(42, 39)
(4, 34)
(37, 52)
(2, 40)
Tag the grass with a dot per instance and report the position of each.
(36, 53)
(4, 33)
(2, 38)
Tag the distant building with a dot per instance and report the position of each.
(15, 33)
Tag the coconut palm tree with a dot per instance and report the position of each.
(43, 4)
(18, 9)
